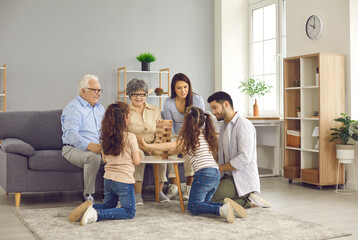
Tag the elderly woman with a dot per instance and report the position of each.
(142, 122)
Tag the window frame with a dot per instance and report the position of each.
(254, 5)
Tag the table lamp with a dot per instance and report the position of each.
(315, 133)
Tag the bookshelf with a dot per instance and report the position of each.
(314, 84)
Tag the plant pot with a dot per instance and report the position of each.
(145, 66)
(345, 153)
(299, 114)
(256, 109)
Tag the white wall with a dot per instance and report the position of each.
(353, 16)
(49, 45)
(340, 36)
(335, 37)
(353, 9)
(231, 49)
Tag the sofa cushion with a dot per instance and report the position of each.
(41, 129)
(51, 160)
(17, 146)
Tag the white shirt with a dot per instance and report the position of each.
(239, 148)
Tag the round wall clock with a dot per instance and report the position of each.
(314, 27)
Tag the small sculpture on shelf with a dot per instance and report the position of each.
(159, 91)
(298, 111)
(162, 134)
(296, 81)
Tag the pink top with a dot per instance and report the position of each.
(120, 168)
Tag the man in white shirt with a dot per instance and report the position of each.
(237, 155)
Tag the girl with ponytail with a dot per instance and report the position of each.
(201, 144)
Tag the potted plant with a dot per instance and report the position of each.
(347, 131)
(255, 88)
(146, 59)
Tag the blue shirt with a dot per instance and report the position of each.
(171, 112)
(81, 123)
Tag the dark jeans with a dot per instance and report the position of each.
(204, 185)
(112, 192)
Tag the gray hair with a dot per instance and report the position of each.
(83, 83)
(135, 85)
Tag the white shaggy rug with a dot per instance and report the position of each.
(166, 221)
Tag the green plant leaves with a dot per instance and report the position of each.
(347, 130)
(146, 57)
(254, 87)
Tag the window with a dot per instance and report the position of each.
(266, 45)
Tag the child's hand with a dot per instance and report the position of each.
(141, 143)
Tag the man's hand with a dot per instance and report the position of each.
(94, 147)
(226, 167)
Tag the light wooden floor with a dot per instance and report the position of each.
(304, 201)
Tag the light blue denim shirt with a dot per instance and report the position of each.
(81, 123)
(171, 112)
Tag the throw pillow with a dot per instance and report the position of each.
(17, 146)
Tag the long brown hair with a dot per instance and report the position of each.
(189, 135)
(182, 77)
(113, 127)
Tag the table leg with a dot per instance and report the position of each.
(179, 186)
(156, 181)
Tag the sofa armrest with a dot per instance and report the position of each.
(17, 146)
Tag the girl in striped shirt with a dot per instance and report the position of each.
(201, 145)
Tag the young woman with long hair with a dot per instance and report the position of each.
(181, 98)
(201, 146)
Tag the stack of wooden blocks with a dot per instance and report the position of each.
(163, 132)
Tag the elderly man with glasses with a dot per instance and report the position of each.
(81, 124)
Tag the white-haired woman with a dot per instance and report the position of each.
(142, 123)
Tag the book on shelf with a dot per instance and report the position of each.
(294, 132)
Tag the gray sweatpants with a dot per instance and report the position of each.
(89, 161)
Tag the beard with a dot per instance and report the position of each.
(221, 116)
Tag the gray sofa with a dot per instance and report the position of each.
(30, 155)
(31, 159)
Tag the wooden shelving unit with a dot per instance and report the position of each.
(325, 96)
(3, 92)
(122, 73)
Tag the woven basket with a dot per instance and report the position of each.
(293, 141)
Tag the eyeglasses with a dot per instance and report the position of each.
(142, 95)
(96, 90)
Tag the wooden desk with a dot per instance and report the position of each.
(172, 159)
(268, 133)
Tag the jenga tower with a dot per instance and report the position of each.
(163, 132)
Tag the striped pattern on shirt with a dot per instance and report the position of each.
(203, 157)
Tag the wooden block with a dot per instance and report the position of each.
(163, 133)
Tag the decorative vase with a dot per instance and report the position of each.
(145, 66)
(256, 109)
